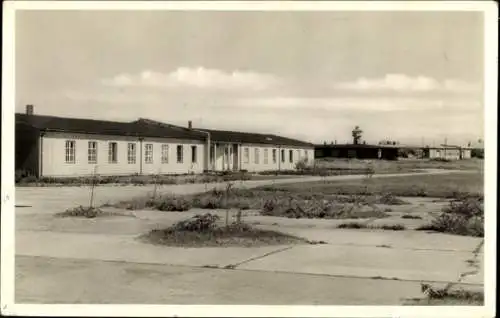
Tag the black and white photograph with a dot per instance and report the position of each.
(252, 158)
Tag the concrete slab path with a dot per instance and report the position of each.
(68, 281)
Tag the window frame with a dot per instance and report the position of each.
(70, 152)
(266, 156)
(112, 152)
(246, 155)
(148, 153)
(165, 149)
(92, 152)
(179, 154)
(131, 153)
(194, 154)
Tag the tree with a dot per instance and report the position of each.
(356, 135)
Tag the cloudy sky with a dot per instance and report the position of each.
(309, 75)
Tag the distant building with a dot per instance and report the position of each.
(358, 151)
(62, 147)
(448, 152)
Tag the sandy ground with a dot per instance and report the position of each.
(69, 260)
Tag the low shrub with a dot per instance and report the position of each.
(204, 230)
(391, 227)
(323, 209)
(390, 199)
(302, 164)
(448, 293)
(87, 212)
(464, 217)
(352, 225)
(409, 216)
(358, 225)
(172, 204)
(198, 223)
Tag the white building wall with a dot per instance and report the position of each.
(173, 167)
(449, 154)
(254, 166)
(466, 154)
(54, 161)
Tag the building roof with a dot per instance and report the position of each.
(102, 127)
(254, 138)
(448, 147)
(353, 146)
(239, 137)
(148, 128)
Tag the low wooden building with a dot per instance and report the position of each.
(49, 146)
(448, 152)
(360, 151)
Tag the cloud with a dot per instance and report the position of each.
(200, 78)
(404, 83)
(359, 103)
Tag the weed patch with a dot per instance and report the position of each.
(390, 199)
(321, 209)
(352, 225)
(358, 225)
(409, 216)
(204, 230)
(464, 217)
(448, 296)
(85, 212)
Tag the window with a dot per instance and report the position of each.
(193, 154)
(180, 154)
(131, 153)
(69, 150)
(306, 154)
(92, 152)
(290, 155)
(257, 155)
(266, 156)
(164, 153)
(113, 152)
(274, 155)
(246, 155)
(148, 153)
(282, 155)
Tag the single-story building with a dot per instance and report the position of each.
(448, 152)
(359, 151)
(51, 146)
